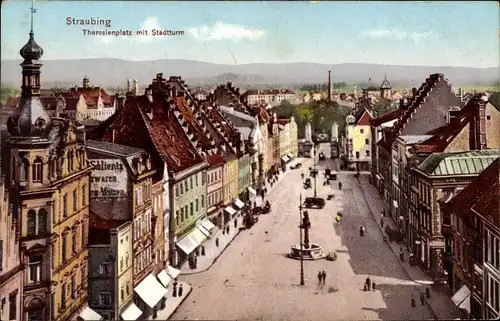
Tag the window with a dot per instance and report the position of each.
(182, 188)
(42, 221)
(186, 185)
(203, 178)
(138, 196)
(177, 217)
(65, 205)
(37, 170)
(492, 292)
(75, 201)
(191, 182)
(31, 223)
(191, 208)
(105, 268)
(54, 168)
(122, 293)
(182, 214)
(137, 228)
(176, 191)
(64, 247)
(35, 268)
(70, 162)
(367, 141)
(488, 117)
(13, 305)
(202, 201)
(196, 179)
(367, 153)
(357, 154)
(74, 248)
(492, 249)
(197, 205)
(84, 233)
(54, 255)
(361, 131)
(73, 287)
(24, 169)
(84, 195)
(35, 310)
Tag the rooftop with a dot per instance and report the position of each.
(461, 163)
(414, 139)
(112, 148)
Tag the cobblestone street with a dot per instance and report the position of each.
(254, 280)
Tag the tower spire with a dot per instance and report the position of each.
(33, 11)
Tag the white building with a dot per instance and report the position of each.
(273, 97)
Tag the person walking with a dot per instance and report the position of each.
(368, 282)
(323, 278)
(320, 279)
(422, 298)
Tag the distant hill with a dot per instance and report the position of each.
(114, 72)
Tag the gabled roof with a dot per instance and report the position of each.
(494, 99)
(461, 163)
(387, 117)
(482, 195)
(190, 117)
(362, 117)
(162, 136)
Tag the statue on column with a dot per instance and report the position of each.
(306, 225)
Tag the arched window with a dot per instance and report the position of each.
(70, 161)
(42, 221)
(35, 310)
(24, 169)
(31, 223)
(37, 169)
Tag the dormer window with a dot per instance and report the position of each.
(24, 169)
(37, 168)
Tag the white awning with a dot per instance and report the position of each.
(209, 226)
(461, 295)
(131, 313)
(252, 191)
(466, 304)
(150, 291)
(239, 204)
(204, 231)
(230, 210)
(173, 272)
(198, 236)
(284, 158)
(290, 155)
(164, 278)
(88, 314)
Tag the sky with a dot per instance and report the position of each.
(233, 32)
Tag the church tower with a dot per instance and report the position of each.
(385, 89)
(49, 196)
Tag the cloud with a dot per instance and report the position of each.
(397, 34)
(224, 31)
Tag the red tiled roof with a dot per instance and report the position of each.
(283, 121)
(390, 116)
(92, 94)
(162, 136)
(481, 195)
(13, 102)
(443, 136)
(365, 119)
(215, 159)
(190, 117)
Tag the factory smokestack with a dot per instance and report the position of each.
(329, 85)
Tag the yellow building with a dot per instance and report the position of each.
(230, 180)
(48, 185)
(356, 141)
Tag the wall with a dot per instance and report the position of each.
(109, 189)
(215, 192)
(492, 127)
(244, 173)
(122, 242)
(198, 192)
(460, 143)
(230, 181)
(359, 135)
(101, 283)
(263, 150)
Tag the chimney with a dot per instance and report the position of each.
(479, 126)
(329, 85)
(86, 82)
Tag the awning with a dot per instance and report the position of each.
(198, 236)
(150, 291)
(88, 314)
(461, 295)
(239, 204)
(209, 226)
(173, 272)
(131, 313)
(164, 278)
(204, 231)
(284, 158)
(252, 191)
(466, 304)
(191, 241)
(380, 177)
(230, 210)
(290, 156)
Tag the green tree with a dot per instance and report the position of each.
(382, 107)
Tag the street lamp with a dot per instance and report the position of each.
(302, 281)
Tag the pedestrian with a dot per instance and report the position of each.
(401, 254)
(181, 290)
(174, 290)
(323, 278)
(365, 288)
(422, 298)
(217, 242)
(361, 231)
(368, 282)
(413, 301)
(320, 279)
(340, 185)
(373, 286)
(381, 222)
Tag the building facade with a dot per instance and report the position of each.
(356, 146)
(48, 189)
(215, 190)
(11, 269)
(273, 96)
(111, 275)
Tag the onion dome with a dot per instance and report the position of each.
(31, 51)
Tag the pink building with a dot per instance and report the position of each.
(11, 276)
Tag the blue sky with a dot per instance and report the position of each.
(405, 33)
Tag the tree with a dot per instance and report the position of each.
(6, 93)
(382, 107)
